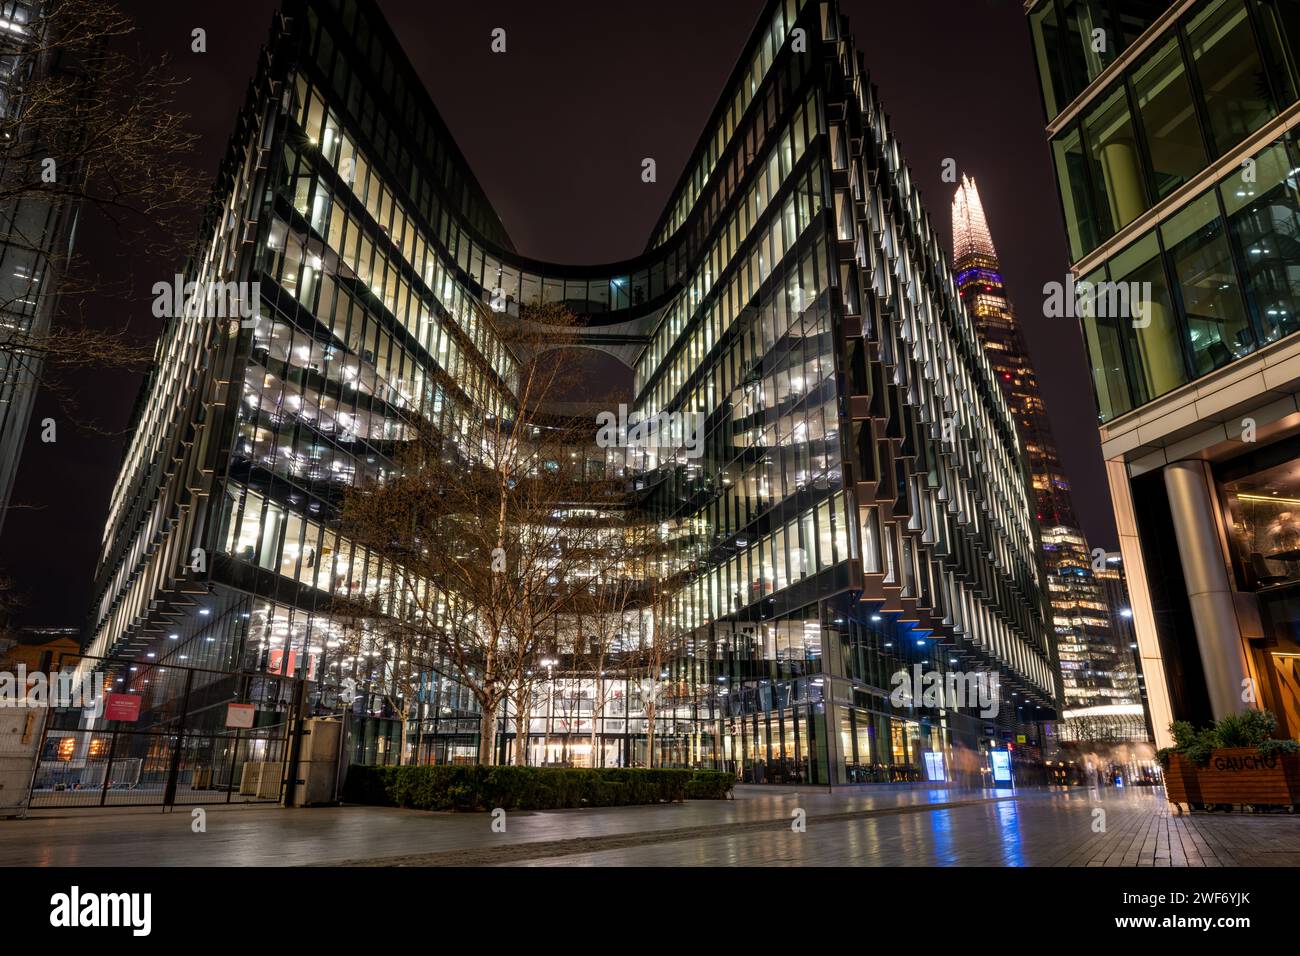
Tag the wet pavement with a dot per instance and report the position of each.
(880, 827)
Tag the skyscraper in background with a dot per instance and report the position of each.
(1114, 586)
(1102, 699)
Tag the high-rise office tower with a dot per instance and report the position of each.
(1098, 675)
(1115, 588)
(36, 233)
(857, 510)
(1173, 129)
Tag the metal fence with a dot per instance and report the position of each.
(166, 735)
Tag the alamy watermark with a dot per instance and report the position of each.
(1100, 300)
(82, 691)
(667, 430)
(75, 909)
(950, 689)
(219, 300)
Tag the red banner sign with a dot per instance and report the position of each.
(122, 707)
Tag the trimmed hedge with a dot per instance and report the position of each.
(528, 788)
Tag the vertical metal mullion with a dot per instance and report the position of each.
(1198, 94)
(169, 792)
(108, 770)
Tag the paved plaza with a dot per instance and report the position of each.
(884, 827)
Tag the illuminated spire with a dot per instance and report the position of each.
(970, 230)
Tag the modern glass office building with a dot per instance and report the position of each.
(859, 509)
(1115, 587)
(1098, 670)
(1176, 154)
(35, 238)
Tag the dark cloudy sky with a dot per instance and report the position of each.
(555, 131)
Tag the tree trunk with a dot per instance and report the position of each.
(521, 730)
(650, 734)
(598, 707)
(487, 734)
(401, 749)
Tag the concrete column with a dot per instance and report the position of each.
(1123, 174)
(1139, 594)
(1200, 546)
(836, 756)
(1159, 350)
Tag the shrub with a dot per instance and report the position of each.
(1278, 748)
(528, 788)
(1251, 728)
(710, 785)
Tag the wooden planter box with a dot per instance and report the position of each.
(1235, 775)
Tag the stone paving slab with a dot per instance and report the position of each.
(1140, 831)
(911, 827)
(269, 836)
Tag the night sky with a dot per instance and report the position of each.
(555, 131)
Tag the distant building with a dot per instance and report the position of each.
(35, 239)
(1101, 696)
(1113, 585)
(42, 649)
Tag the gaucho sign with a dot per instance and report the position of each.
(1245, 762)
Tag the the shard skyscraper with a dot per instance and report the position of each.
(1102, 699)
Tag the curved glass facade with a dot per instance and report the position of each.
(859, 507)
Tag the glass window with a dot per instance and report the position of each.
(618, 292)
(1117, 172)
(531, 291)
(1102, 335)
(1287, 13)
(1154, 344)
(1135, 16)
(552, 291)
(1237, 100)
(1264, 523)
(1263, 223)
(1045, 28)
(1072, 174)
(315, 118)
(1091, 42)
(267, 555)
(1275, 25)
(825, 549)
(510, 284)
(1173, 138)
(292, 545)
(1207, 285)
(842, 550)
(576, 296)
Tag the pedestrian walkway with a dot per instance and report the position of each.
(910, 827)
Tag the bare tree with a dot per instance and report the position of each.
(658, 642)
(483, 528)
(89, 122)
(386, 657)
(521, 693)
(86, 124)
(639, 610)
(610, 621)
